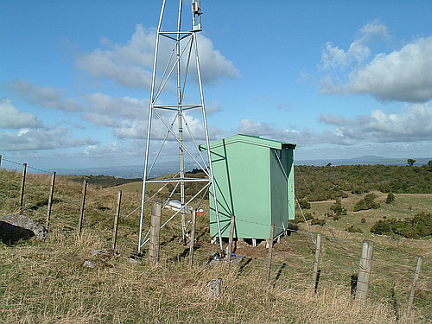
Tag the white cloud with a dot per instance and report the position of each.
(335, 57)
(402, 75)
(42, 139)
(413, 124)
(250, 127)
(112, 149)
(131, 64)
(11, 117)
(213, 107)
(214, 66)
(137, 129)
(48, 97)
(126, 107)
(123, 64)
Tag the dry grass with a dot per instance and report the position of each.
(46, 282)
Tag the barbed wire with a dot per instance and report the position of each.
(34, 168)
(28, 166)
(13, 162)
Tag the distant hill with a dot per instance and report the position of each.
(128, 172)
(136, 171)
(363, 160)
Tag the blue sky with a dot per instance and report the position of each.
(341, 79)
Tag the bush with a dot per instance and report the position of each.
(382, 228)
(338, 209)
(353, 229)
(368, 202)
(304, 204)
(299, 217)
(317, 221)
(415, 227)
(360, 179)
(390, 198)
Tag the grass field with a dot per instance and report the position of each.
(47, 282)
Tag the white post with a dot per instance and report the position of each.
(365, 270)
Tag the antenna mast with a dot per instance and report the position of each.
(177, 118)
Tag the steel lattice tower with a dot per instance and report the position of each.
(177, 118)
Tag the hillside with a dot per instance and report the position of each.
(329, 182)
(48, 282)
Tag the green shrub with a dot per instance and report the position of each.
(390, 198)
(299, 217)
(317, 221)
(337, 208)
(382, 228)
(320, 183)
(368, 202)
(415, 227)
(353, 229)
(304, 204)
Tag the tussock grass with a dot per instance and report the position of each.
(47, 282)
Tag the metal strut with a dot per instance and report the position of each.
(163, 107)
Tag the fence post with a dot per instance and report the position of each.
(231, 238)
(316, 263)
(270, 251)
(50, 200)
(84, 191)
(23, 178)
(365, 270)
(156, 213)
(192, 238)
(413, 287)
(0, 160)
(116, 219)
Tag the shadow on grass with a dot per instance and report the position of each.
(11, 234)
(279, 273)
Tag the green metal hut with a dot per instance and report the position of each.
(254, 180)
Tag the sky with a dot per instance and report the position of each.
(341, 79)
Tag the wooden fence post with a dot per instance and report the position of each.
(316, 263)
(0, 160)
(23, 178)
(231, 239)
(365, 270)
(80, 220)
(116, 219)
(192, 238)
(413, 287)
(50, 201)
(156, 213)
(270, 251)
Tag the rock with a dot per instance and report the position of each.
(89, 264)
(14, 227)
(214, 288)
(104, 254)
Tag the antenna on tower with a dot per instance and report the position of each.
(196, 18)
(177, 118)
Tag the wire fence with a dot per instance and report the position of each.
(391, 279)
(31, 198)
(392, 272)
